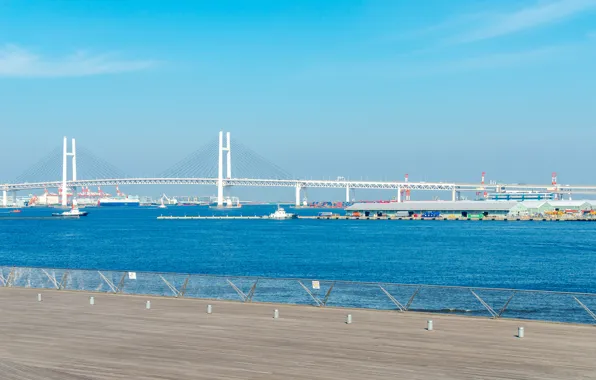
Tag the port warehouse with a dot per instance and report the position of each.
(470, 208)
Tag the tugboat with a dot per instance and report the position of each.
(281, 214)
(74, 212)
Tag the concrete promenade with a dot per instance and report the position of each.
(64, 337)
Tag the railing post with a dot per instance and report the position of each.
(318, 301)
(237, 289)
(587, 309)
(63, 281)
(120, 286)
(328, 294)
(412, 298)
(183, 288)
(251, 292)
(393, 299)
(493, 313)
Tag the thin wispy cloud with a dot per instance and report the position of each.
(19, 62)
(508, 60)
(539, 15)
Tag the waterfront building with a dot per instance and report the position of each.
(470, 209)
(448, 209)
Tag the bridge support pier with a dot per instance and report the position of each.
(348, 194)
(453, 195)
(399, 194)
(298, 193)
(4, 198)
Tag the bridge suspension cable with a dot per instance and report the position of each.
(48, 168)
(202, 163)
(250, 164)
(89, 166)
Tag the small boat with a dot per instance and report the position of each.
(74, 212)
(16, 211)
(281, 214)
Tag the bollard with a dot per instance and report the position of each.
(91, 301)
(520, 332)
(429, 325)
(209, 309)
(148, 305)
(275, 314)
(39, 297)
(349, 319)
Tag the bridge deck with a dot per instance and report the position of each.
(63, 337)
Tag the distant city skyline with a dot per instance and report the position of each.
(360, 89)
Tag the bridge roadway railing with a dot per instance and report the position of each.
(242, 182)
(335, 184)
(472, 301)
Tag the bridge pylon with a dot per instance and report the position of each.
(220, 178)
(65, 155)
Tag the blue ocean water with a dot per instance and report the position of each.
(526, 255)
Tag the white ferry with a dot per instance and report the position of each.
(128, 201)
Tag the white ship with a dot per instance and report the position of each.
(281, 214)
(128, 201)
(74, 212)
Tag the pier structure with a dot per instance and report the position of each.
(255, 171)
(103, 336)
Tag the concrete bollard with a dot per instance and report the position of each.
(349, 319)
(520, 332)
(275, 314)
(148, 305)
(209, 309)
(91, 300)
(39, 297)
(429, 325)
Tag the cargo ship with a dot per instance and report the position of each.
(122, 201)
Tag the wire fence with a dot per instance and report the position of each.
(473, 301)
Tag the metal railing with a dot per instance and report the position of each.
(489, 302)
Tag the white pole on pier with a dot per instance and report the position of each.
(64, 172)
(220, 172)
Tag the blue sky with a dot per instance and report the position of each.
(441, 90)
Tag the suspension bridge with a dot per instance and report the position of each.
(67, 168)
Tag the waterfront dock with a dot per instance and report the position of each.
(344, 217)
(212, 217)
(65, 337)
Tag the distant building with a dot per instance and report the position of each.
(544, 207)
(469, 209)
(459, 209)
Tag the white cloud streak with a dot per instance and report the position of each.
(18, 62)
(541, 14)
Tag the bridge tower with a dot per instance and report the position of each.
(220, 178)
(65, 155)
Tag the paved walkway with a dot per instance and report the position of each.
(63, 337)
